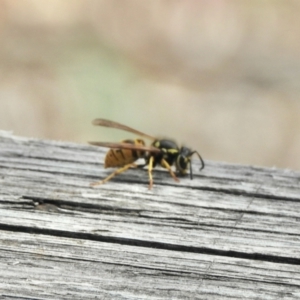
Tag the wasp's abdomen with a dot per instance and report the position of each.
(121, 157)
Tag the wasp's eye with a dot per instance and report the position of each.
(182, 163)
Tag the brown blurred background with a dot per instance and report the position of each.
(220, 76)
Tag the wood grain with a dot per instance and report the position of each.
(231, 233)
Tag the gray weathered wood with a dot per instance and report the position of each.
(231, 233)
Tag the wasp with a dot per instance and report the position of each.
(163, 152)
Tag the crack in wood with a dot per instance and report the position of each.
(151, 244)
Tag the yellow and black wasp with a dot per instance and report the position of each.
(162, 151)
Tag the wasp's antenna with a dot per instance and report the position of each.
(202, 162)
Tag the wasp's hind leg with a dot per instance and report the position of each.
(150, 168)
(109, 177)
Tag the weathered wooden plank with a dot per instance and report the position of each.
(233, 232)
(230, 178)
(71, 267)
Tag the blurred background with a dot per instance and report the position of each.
(220, 76)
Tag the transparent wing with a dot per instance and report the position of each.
(112, 124)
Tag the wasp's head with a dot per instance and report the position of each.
(183, 161)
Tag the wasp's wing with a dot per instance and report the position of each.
(112, 124)
(126, 146)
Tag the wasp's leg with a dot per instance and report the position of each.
(123, 169)
(150, 167)
(165, 164)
